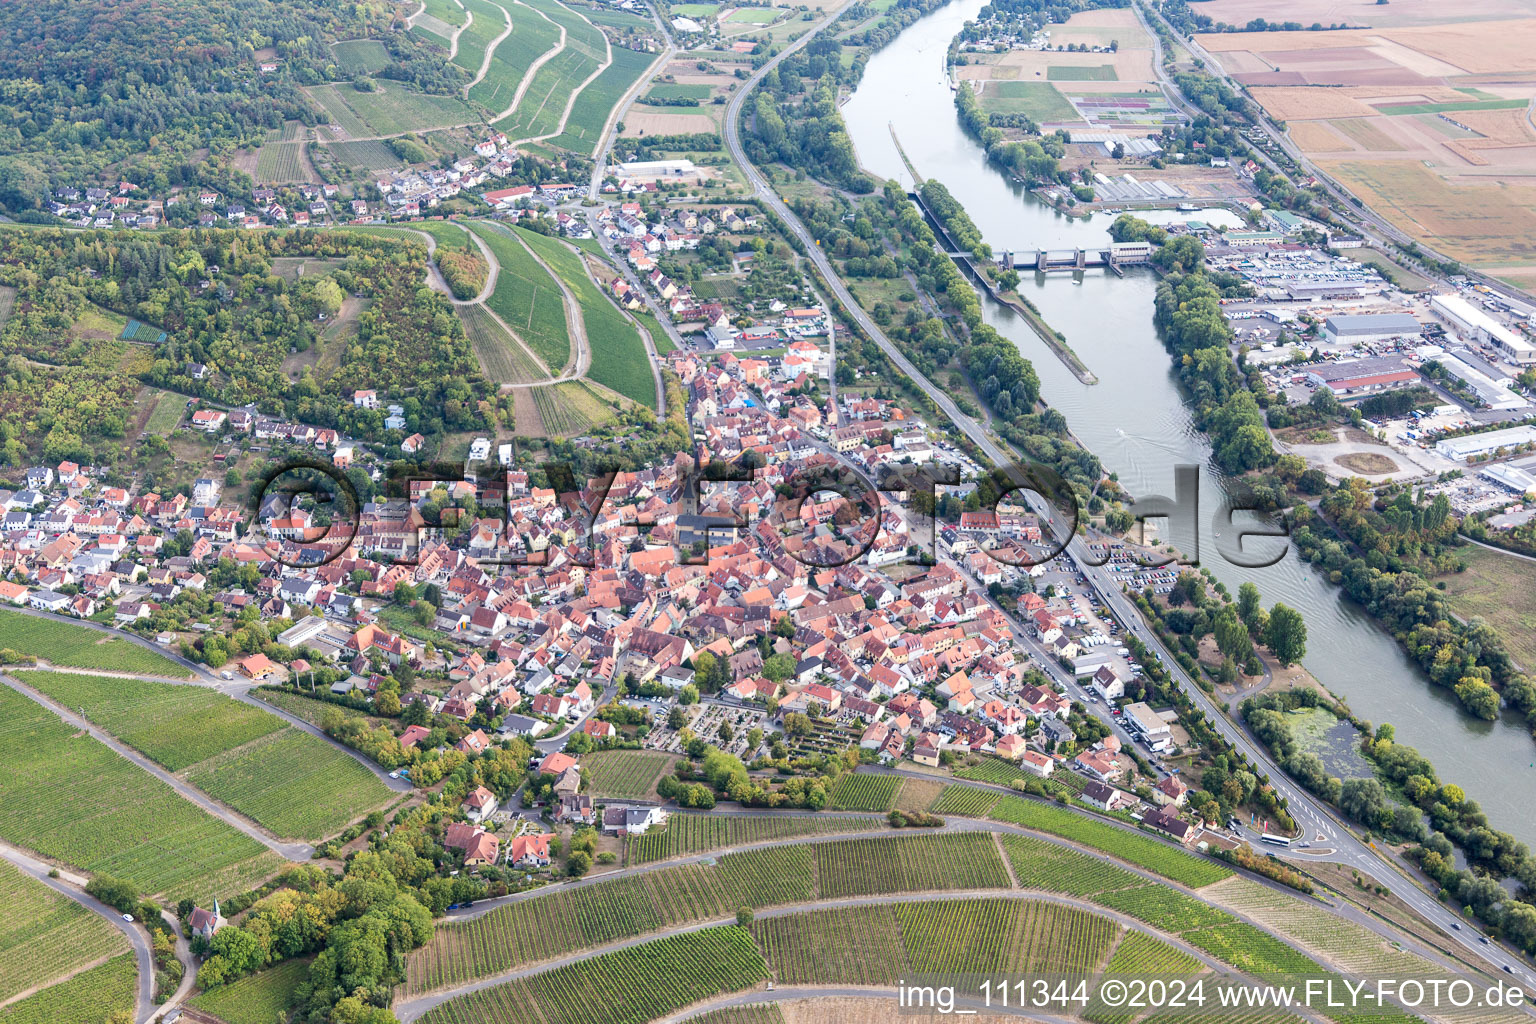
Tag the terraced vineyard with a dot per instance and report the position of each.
(73, 799)
(531, 37)
(565, 920)
(619, 360)
(545, 99)
(625, 773)
(1038, 864)
(628, 986)
(293, 783)
(877, 945)
(176, 726)
(61, 643)
(862, 867)
(1144, 850)
(527, 298)
(686, 834)
(45, 935)
(966, 801)
(89, 996)
(584, 128)
(489, 23)
(856, 791)
(504, 360)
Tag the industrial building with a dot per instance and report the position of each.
(1473, 445)
(1360, 328)
(1489, 391)
(1476, 326)
(1362, 376)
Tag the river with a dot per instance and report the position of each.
(1135, 418)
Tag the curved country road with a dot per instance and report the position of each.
(136, 936)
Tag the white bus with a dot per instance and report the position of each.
(1274, 840)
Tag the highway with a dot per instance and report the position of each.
(1311, 815)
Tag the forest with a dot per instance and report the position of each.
(146, 84)
(216, 296)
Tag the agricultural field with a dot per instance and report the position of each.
(845, 946)
(280, 163)
(1038, 864)
(256, 999)
(1140, 956)
(583, 129)
(45, 935)
(1163, 907)
(855, 791)
(527, 298)
(1136, 848)
(1093, 73)
(88, 998)
(1250, 950)
(687, 834)
(1040, 101)
(176, 726)
(663, 91)
(392, 109)
(966, 801)
(919, 795)
(862, 867)
(360, 57)
(878, 945)
(503, 359)
(369, 155)
(7, 303)
(1344, 944)
(570, 408)
(61, 643)
(625, 773)
(991, 769)
(293, 783)
(751, 1013)
(166, 415)
(619, 359)
(562, 921)
(628, 986)
(75, 800)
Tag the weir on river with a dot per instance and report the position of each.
(1135, 418)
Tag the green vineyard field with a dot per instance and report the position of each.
(61, 643)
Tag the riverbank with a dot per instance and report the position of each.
(1136, 420)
